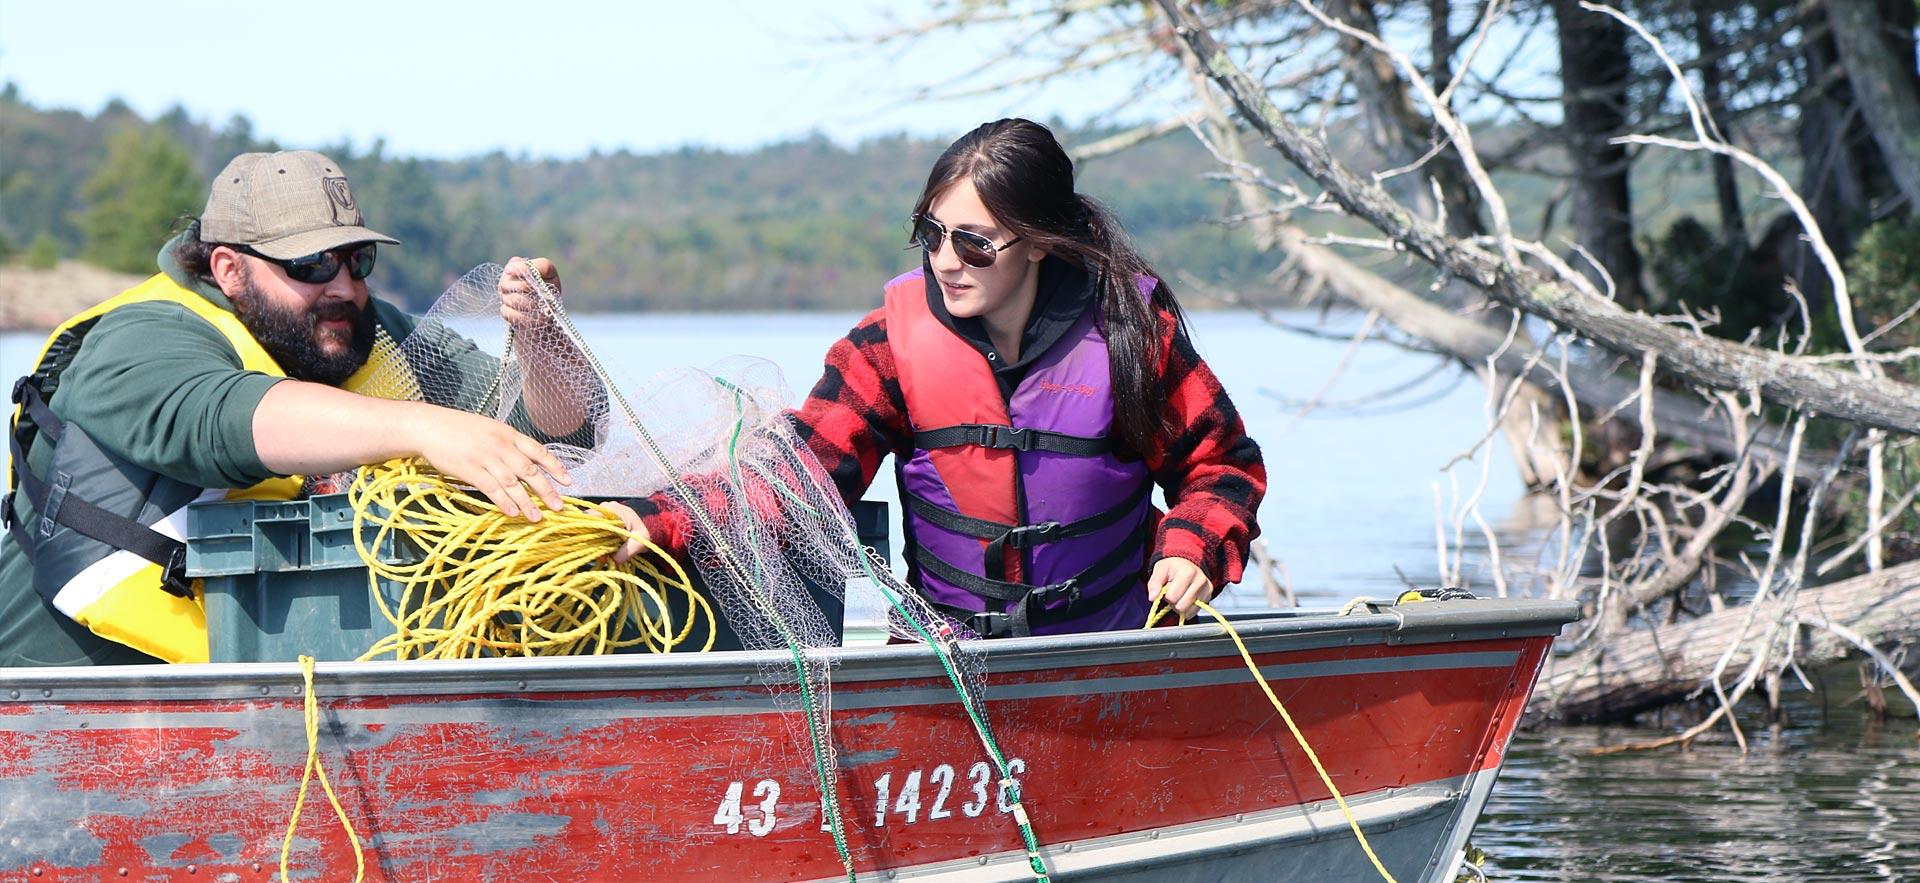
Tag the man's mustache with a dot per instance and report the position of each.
(335, 311)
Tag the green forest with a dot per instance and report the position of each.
(805, 224)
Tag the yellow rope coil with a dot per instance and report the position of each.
(314, 765)
(1154, 614)
(487, 584)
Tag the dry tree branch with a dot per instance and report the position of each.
(1360, 336)
(1707, 137)
(1638, 463)
(1132, 138)
(1873, 530)
(1878, 402)
(1866, 646)
(1442, 117)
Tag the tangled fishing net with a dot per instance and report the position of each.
(769, 527)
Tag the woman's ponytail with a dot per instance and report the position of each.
(1130, 321)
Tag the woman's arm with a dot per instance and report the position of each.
(1211, 472)
(852, 419)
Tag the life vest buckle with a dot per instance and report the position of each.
(1006, 437)
(990, 624)
(173, 574)
(1070, 588)
(1028, 535)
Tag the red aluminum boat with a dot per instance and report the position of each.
(1145, 755)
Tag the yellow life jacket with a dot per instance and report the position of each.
(124, 596)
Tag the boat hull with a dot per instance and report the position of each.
(1148, 755)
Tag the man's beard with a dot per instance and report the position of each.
(292, 337)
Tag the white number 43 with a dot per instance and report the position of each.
(730, 817)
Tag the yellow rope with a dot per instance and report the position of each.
(1153, 615)
(493, 585)
(313, 764)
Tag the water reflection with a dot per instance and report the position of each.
(1833, 800)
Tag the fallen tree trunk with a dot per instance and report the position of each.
(1643, 669)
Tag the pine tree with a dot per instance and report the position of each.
(146, 185)
(44, 253)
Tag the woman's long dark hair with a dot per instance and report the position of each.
(1026, 180)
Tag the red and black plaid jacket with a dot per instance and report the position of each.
(1209, 469)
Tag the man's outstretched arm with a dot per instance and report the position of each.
(305, 428)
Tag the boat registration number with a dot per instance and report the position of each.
(909, 798)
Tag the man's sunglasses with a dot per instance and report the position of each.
(319, 268)
(973, 249)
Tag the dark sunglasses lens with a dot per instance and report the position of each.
(313, 268)
(360, 261)
(927, 235)
(973, 249)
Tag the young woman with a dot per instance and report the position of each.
(1032, 379)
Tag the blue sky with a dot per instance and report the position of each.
(547, 79)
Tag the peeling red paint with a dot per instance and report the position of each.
(504, 785)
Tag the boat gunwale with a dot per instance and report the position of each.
(1421, 623)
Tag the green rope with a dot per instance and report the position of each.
(829, 793)
(943, 655)
(830, 800)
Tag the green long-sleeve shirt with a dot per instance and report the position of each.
(160, 387)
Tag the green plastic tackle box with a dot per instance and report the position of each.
(282, 579)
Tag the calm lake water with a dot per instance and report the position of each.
(1352, 498)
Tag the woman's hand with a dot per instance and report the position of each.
(631, 520)
(1181, 583)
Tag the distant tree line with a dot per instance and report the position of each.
(800, 225)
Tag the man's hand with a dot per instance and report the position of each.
(1182, 583)
(519, 301)
(303, 428)
(508, 467)
(631, 519)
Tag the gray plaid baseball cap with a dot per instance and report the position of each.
(285, 205)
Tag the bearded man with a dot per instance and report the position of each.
(230, 373)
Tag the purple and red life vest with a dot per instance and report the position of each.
(1019, 518)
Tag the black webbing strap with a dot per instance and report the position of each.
(53, 505)
(18, 532)
(988, 435)
(26, 394)
(1002, 536)
(1018, 620)
(994, 624)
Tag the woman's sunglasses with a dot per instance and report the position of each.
(973, 249)
(319, 268)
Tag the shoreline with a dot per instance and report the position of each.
(38, 300)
